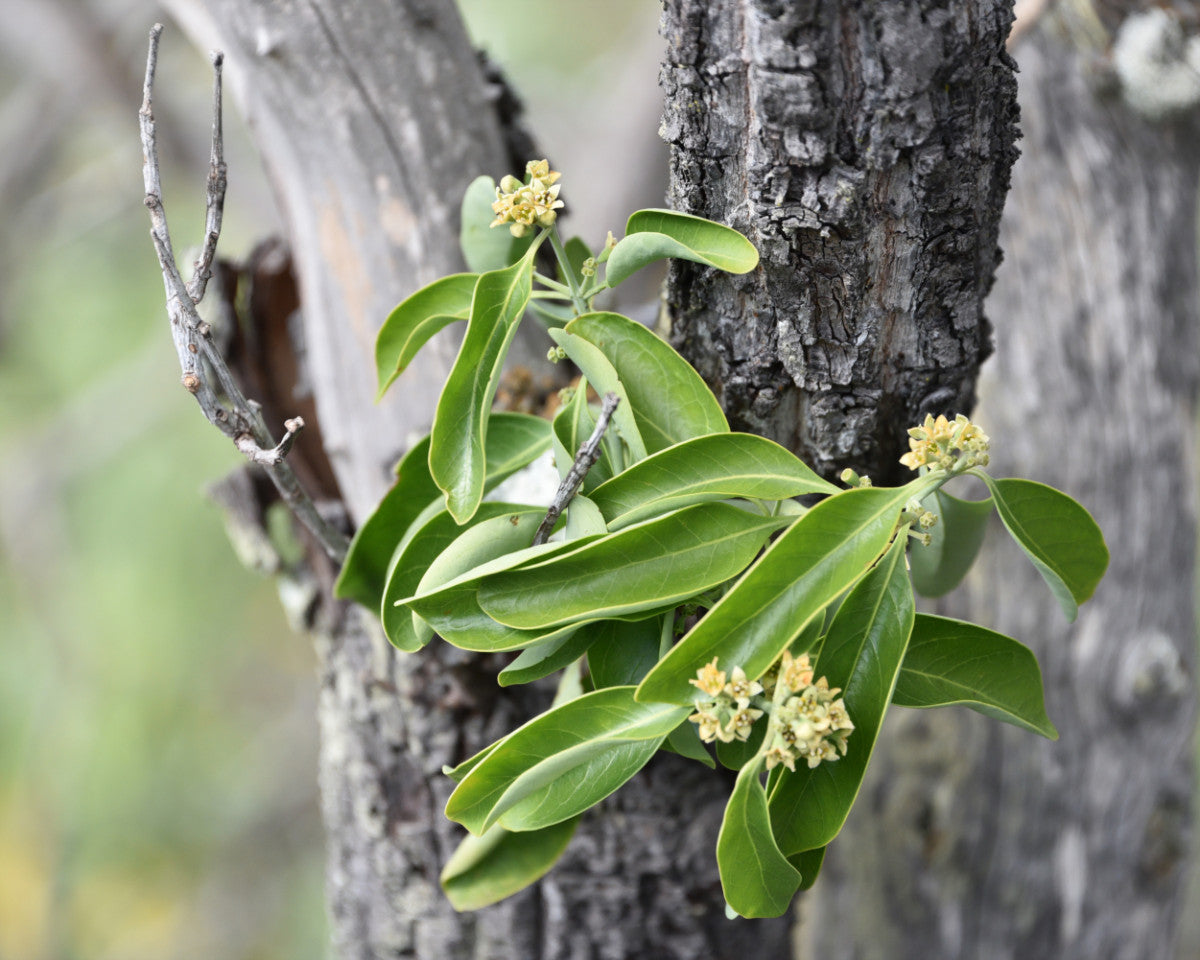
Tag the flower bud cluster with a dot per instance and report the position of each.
(529, 203)
(807, 723)
(946, 445)
(725, 714)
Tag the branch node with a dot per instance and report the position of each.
(191, 382)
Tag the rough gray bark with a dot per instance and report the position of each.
(1006, 845)
(371, 118)
(865, 149)
(871, 172)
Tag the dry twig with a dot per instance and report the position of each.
(229, 410)
(585, 459)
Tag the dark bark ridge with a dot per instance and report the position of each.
(865, 149)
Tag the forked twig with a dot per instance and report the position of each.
(585, 459)
(229, 410)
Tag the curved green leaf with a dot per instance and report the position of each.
(548, 656)
(757, 879)
(644, 567)
(657, 234)
(861, 654)
(949, 661)
(685, 741)
(1057, 534)
(484, 870)
(416, 556)
(485, 247)
(601, 374)
(562, 762)
(808, 863)
(954, 542)
(713, 467)
(623, 652)
(364, 573)
(822, 554)
(514, 440)
(670, 401)
(418, 318)
(456, 454)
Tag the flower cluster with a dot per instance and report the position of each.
(808, 723)
(726, 713)
(942, 444)
(533, 202)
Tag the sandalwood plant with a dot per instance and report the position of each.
(698, 590)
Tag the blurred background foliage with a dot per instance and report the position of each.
(157, 726)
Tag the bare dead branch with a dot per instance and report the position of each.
(585, 459)
(200, 361)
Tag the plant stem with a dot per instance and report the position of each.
(577, 299)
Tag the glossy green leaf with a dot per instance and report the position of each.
(562, 762)
(573, 426)
(808, 863)
(601, 374)
(416, 555)
(1057, 534)
(822, 554)
(485, 247)
(364, 573)
(954, 542)
(657, 234)
(484, 870)
(685, 741)
(456, 773)
(623, 652)
(713, 467)
(861, 654)
(949, 661)
(644, 567)
(548, 656)
(416, 319)
(456, 455)
(737, 753)
(584, 518)
(757, 879)
(513, 441)
(670, 401)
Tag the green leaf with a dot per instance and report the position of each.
(822, 554)
(601, 374)
(485, 247)
(364, 574)
(808, 862)
(1057, 534)
(623, 652)
(484, 870)
(670, 401)
(562, 762)
(657, 234)
(548, 656)
(737, 753)
(514, 440)
(949, 661)
(584, 519)
(953, 545)
(644, 567)
(756, 877)
(685, 741)
(418, 318)
(713, 467)
(416, 556)
(457, 773)
(861, 654)
(456, 455)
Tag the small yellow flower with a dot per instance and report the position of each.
(709, 724)
(942, 444)
(796, 673)
(742, 721)
(709, 679)
(740, 688)
(780, 754)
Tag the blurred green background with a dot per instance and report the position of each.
(157, 716)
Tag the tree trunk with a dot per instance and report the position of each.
(974, 839)
(865, 149)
